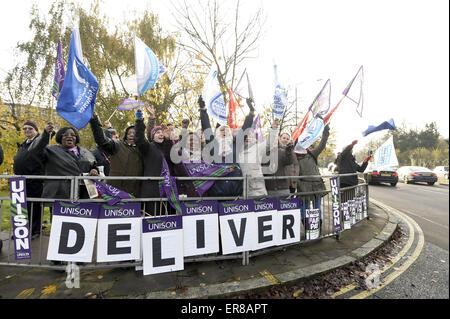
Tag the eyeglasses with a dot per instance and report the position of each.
(68, 135)
(28, 128)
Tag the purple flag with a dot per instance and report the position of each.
(129, 104)
(321, 103)
(256, 127)
(110, 193)
(354, 90)
(169, 187)
(58, 80)
(203, 169)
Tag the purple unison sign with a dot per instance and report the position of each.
(200, 228)
(266, 223)
(336, 204)
(289, 220)
(237, 226)
(72, 235)
(119, 232)
(162, 244)
(19, 217)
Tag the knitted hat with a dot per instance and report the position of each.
(29, 123)
(156, 128)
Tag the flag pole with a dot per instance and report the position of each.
(112, 114)
(328, 116)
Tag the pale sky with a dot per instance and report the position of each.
(402, 44)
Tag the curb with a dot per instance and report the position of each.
(228, 289)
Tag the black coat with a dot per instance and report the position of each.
(26, 164)
(346, 163)
(152, 155)
(125, 159)
(59, 161)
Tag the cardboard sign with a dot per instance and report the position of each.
(162, 244)
(19, 218)
(72, 235)
(352, 208)
(267, 223)
(346, 216)
(237, 226)
(200, 228)
(289, 221)
(312, 223)
(119, 232)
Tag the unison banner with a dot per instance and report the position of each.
(289, 221)
(119, 232)
(267, 222)
(19, 218)
(336, 204)
(162, 244)
(237, 226)
(200, 228)
(72, 235)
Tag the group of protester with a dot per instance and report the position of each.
(144, 150)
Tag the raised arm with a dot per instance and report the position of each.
(105, 143)
(38, 146)
(139, 137)
(323, 142)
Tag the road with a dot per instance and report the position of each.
(428, 275)
(427, 205)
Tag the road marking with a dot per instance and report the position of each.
(412, 258)
(428, 220)
(269, 277)
(392, 262)
(24, 294)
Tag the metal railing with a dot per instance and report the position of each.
(39, 247)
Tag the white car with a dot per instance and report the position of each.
(441, 171)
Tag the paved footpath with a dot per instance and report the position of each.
(206, 279)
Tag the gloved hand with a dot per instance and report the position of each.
(138, 114)
(354, 142)
(367, 159)
(289, 147)
(200, 102)
(250, 104)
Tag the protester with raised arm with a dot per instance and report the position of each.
(224, 148)
(308, 166)
(283, 156)
(125, 158)
(66, 158)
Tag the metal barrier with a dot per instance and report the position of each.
(39, 247)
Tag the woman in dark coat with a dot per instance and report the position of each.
(152, 154)
(64, 159)
(125, 158)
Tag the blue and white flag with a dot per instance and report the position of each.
(310, 134)
(279, 97)
(385, 155)
(213, 97)
(386, 125)
(148, 67)
(76, 101)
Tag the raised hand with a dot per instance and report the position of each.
(49, 128)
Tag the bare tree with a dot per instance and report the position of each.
(213, 37)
